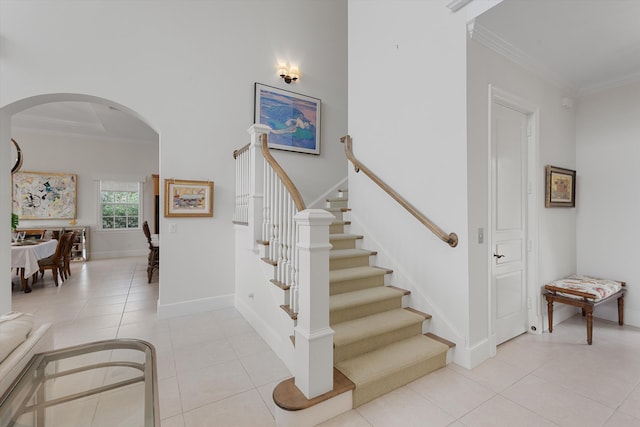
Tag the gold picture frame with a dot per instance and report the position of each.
(184, 198)
(560, 187)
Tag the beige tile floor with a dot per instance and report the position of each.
(214, 370)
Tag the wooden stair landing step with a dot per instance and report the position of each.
(288, 397)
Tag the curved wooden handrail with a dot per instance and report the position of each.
(451, 238)
(239, 151)
(295, 194)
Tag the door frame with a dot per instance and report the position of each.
(531, 110)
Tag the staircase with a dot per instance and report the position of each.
(338, 300)
(379, 344)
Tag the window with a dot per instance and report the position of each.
(120, 205)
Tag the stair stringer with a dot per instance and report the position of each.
(439, 323)
(259, 300)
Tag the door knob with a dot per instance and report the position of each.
(498, 256)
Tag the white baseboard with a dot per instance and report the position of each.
(268, 334)
(471, 357)
(561, 312)
(118, 254)
(184, 308)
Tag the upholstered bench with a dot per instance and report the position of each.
(585, 292)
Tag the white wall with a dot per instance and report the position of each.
(92, 160)
(607, 195)
(556, 248)
(187, 69)
(407, 117)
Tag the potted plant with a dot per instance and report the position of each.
(14, 221)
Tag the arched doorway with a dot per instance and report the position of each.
(70, 109)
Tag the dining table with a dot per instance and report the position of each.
(25, 256)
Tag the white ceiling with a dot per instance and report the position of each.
(581, 45)
(86, 119)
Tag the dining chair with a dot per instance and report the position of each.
(55, 262)
(153, 261)
(66, 259)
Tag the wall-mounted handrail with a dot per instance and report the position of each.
(451, 238)
(291, 188)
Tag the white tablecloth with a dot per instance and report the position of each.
(27, 256)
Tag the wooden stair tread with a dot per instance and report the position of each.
(404, 291)
(279, 284)
(337, 209)
(370, 326)
(418, 312)
(270, 261)
(356, 273)
(440, 339)
(348, 253)
(363, 296)
(289, 397)
(289, 311)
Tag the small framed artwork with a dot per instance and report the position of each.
(188, 198)
(560, 187)
(294, 119)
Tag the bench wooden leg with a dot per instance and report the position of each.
(621, 310)
(589, 311)
(550, 312)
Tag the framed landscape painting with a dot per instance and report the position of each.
(188, 198)
(39, 195)
(294, 119)
(560, 187)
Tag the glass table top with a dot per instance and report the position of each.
(105, 383)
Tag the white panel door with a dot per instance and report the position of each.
(508, 222)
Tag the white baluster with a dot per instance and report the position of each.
(285, 237)
(246, 178)
(266, 208)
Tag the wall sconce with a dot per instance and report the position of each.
(288, 74)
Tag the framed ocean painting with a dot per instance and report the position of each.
(294, 119)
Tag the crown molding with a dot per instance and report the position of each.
(493, 41)
(610, 84)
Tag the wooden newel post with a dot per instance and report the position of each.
(313, 336)
(256, 184)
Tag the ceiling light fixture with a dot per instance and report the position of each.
(288, 73)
